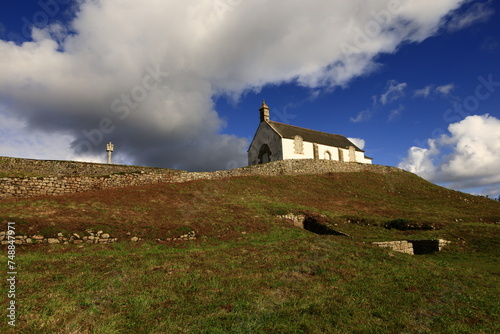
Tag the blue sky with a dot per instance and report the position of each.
(179, 85)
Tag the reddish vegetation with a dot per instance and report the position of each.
(222, 208)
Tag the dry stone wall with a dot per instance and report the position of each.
(67, 168)
(398, 246)
(70, 176)
(90, 237)
(291, 167)
(26, 187)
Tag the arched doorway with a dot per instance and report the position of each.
(264, 154)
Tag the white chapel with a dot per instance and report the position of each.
(278, 141)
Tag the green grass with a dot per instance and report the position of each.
(286, 281)
(249, 272)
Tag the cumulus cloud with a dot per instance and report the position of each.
(360, 143)
(466, 158)
(143, 74)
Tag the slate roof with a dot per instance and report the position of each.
(318, 137)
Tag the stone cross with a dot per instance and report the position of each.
(109, 149)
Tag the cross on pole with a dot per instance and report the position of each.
(109, 149)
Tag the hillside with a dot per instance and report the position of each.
(251, 272)
(236, 203)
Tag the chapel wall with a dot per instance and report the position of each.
(265, 135)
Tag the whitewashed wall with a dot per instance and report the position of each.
(334, 151)
(284, 149)
(289, 150)
(360, 157)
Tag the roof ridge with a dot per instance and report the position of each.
(286, 130)
(300, 127)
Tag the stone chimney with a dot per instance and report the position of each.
(264, 112)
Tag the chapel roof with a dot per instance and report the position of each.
(318, 137)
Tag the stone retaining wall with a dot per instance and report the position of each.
(297, 220)
(291, 167)
(26, 187)
(398, 246)
(61, 182)
(416, 247)
(67, 168)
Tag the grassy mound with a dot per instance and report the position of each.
(250, 272)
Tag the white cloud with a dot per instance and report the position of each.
(420, 160)
(395, 91)
(445, 89)
(424, 92)
(362, 116)
(491, 44)
(466, 158)
(476, 13)
(100, 76)
(360, 143)
(430, 91)
(395, 113)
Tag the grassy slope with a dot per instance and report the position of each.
(251, 273)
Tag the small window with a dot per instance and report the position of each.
(328, 155)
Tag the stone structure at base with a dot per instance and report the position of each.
(416, 247)
(63, 180)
